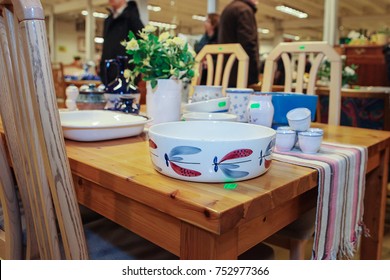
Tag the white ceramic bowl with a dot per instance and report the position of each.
(97, 125)
(203, 92)
(204, 116)
(299, 119)
(205, 151)
(217, 105)
(310, 140)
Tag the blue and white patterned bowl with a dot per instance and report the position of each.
(211, 151)
(217, 105)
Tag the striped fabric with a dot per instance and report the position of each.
(339, 219)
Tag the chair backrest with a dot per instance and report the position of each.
(218, 70)
(59, 81)
(11, 247)
(33, 131)
(320, 50)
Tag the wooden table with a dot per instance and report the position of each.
(380, 93)
(207, 221)
(375, 92)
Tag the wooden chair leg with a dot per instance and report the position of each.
(297, 249)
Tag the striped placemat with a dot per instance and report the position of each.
(341, 183)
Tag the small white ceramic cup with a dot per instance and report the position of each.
(239, 100)
(310, 140)
(299, 119)
(285, 139)
(203, 93)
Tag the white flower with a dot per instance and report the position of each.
(349, 71)
(150, 28)
(179, 42)
(163, 36)
(146, 62)
(132, 45)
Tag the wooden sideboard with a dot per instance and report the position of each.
(372, 70)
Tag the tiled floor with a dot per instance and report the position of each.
(282, 254)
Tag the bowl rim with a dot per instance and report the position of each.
(304, 110)
(132, 119)
(203, 123)
(204, 114)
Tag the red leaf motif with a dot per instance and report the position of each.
(240, 153)
(267, 163)
(152, 144)
(184, 171)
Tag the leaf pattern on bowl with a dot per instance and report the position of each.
(174, 158)
(227, 167)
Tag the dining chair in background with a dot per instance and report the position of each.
(219, 60)
(59, 82)
(296, 236)
(320, 50)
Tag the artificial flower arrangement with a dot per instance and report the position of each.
(348, 74)
(158, 57)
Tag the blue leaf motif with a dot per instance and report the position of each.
(229, 165)
(176, 158)
(184, 150)
(233, 173)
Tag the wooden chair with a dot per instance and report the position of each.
(320, 50)
(11, 247)
(37, 150)
(296, 235)
(218, 74)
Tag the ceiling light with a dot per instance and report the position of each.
(263, 30)
(163, 25)
(95, 14)
(198, 17)
(291, 37)
(291, 11)
(99, 40)
(154, 8)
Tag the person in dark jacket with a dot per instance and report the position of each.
(124, 17)
(209, 37)
(237, 24)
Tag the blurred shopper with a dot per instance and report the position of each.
(211, 32)
(124, 17)
(209, 37)
(238, 25)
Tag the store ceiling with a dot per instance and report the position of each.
(370, 15)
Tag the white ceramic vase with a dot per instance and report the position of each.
(163, 103)
(260, 109)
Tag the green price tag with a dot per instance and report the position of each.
(302, 47)
(222, 104)
(255, 105)
(230, 186)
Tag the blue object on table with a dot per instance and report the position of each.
(284, 102)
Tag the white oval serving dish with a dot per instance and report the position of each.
(98, 125)
(211, 151)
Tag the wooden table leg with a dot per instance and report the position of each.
(375, 209)
(198, 244)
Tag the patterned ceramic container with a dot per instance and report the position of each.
(239, 100)
(211, 151)
(203, 93)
